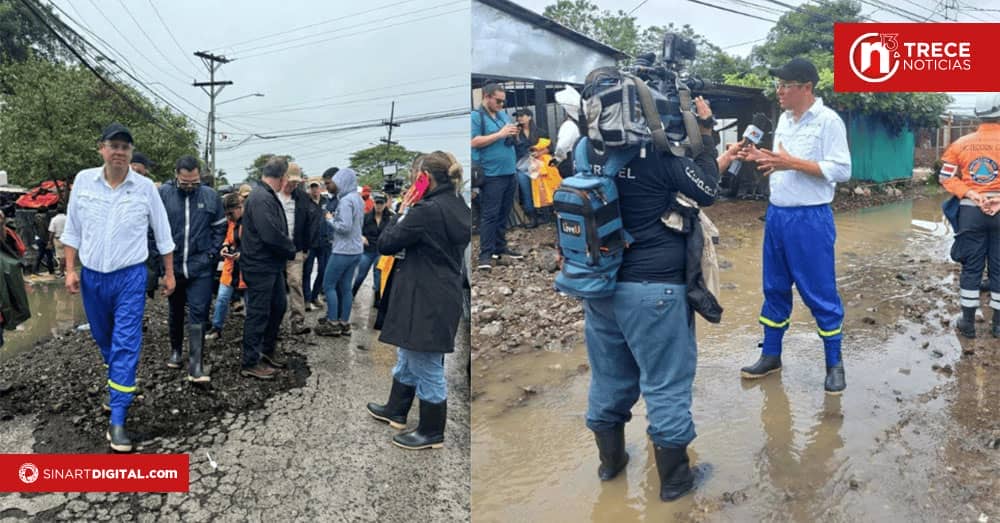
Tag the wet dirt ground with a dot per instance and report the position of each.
(916, 436)
(301, 447)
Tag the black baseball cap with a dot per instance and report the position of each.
(797, 70)
(378, 197)
(138, 157)
(116, 130)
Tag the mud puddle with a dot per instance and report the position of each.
(782, 451)
(53, 311)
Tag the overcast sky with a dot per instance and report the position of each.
(347, 67)
(738, 33)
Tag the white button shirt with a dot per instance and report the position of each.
(818, 136)
(108, 226)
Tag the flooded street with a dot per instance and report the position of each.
(53, 311)
(887, 450)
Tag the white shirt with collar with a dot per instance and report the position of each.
(820, 136)
(108, 226)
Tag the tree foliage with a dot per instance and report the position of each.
(256, 168)
(368, 162)
(809, 33)
(622, 31)
(23, 36)
(52, 121)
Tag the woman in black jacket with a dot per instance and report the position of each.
(425, 303)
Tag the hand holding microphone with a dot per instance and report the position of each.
(754, 134)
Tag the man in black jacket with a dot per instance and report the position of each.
(198, 225)
(266, 249)
(375, 222)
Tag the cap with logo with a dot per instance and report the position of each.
(116, 131)
(797, 70)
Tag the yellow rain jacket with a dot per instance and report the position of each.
(545, 178)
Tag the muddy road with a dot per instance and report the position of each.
(916, 436)
(301, 447)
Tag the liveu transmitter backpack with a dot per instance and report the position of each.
(591, 236)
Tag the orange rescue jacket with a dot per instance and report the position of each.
(973, 162)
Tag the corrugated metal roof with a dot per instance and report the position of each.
(538, 20)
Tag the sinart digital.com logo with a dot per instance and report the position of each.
(28, 473)
(877, 57)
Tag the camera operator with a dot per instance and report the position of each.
(811, 157)
(493, 146)
(641, 339)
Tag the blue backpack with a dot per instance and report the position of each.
(592, 239)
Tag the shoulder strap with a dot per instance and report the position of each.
(690, 124)
(651, 114)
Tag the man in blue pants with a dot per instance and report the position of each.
(811, 157)
(110, 209)
(493, 135)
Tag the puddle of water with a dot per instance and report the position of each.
(781, 449)
(53, 310)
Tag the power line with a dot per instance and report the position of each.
(151, 42)
(732, 11)
(130, 44)
(636, 8)
(114, 88)
(294, 29)
(94, 50)
(369, 31)
(359, 101)
(352, 27)
(394, 87)
(171, 34)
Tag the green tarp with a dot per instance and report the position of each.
(876, 155)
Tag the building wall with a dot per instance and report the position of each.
(506, 47)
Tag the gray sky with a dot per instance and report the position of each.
(738, 33)
(345, 69)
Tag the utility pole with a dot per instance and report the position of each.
(212, 62)
(390, 124)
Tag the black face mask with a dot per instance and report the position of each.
(187, 189)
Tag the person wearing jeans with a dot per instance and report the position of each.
(640, 339)
(346, 253)
(425, 301)
(232, 203)
(493, 135)
(319, 254)
(375, 222)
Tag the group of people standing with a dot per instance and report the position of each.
(268, 239)
(519, 163)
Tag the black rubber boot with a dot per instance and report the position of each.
(764, 366)
(967, 325)
(430, 431)
(397, 407)
(996, 323)
(176, 356)
(196, 345)
(119, 439)
(835, 381)
(534, 220)
(677, 477)
(611, 448)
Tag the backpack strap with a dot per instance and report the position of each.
(651, 114)
(690, 123)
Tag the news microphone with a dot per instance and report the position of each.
(754, 134)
